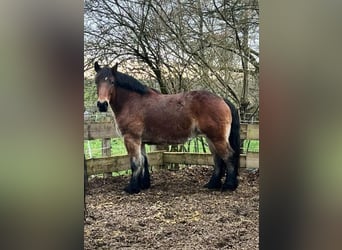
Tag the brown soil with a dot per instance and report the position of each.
(175, 213)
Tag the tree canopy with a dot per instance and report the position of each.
(179, 45)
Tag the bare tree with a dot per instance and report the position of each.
(183, 44)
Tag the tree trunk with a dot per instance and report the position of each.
(244, 46)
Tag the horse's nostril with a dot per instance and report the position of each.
(102, 106)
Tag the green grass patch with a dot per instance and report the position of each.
(93, 148)
(123, 172)
(251, 146)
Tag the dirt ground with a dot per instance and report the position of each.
(175, 213)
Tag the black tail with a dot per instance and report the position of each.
(234, 137)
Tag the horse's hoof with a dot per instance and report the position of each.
(145, 183)
(145, 186)
(131, 190)
(231, 186)
(211, 185)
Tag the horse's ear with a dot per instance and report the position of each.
(97, 67)
(115, 68)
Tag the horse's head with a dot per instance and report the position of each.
(104, 80)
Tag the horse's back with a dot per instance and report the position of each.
(174, 118)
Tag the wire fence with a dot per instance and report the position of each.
(95, 148)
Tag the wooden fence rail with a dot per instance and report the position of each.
(159, 159)
(102, 130)
(108, 164)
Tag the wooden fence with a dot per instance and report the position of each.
(108, 164)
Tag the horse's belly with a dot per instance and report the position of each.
(167, 136)
(163, 140)
(171, 123)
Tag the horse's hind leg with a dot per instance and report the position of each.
(231, 182)
(144, 177)
(224, 161)
(219, 169)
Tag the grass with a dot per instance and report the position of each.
(251, 146)
(93, 148)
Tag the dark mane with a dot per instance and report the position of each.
(102, 74)
(130, 83)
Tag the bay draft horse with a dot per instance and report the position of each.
(144, 116)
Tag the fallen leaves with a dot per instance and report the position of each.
(176, 213)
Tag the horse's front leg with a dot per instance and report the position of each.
(133, 146)
(145, 181)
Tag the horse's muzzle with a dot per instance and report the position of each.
(102, 106)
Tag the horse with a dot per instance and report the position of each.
(145, 116)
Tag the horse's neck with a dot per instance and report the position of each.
(121, 99)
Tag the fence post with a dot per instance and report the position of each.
(106, 152)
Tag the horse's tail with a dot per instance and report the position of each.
(234, 137)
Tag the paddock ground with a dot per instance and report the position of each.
(175, 213)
